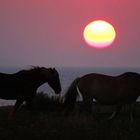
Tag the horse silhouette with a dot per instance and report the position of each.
(107, 90)
(22, 86)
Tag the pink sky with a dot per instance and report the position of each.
(49, 33)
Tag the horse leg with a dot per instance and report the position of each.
(29, 104)
(97, 107)
(116, 112)
(15, 108)
(88, 105)
(132, 112)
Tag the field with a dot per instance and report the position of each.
(50, 123)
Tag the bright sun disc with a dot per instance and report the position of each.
(99, 34)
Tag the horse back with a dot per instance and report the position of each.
(128, 80)
(8, 78)
(98, 84)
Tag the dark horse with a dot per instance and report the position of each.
(107, 90)
(22, 86)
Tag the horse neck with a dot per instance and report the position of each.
(32, 77)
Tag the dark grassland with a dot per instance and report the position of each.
(48, 122)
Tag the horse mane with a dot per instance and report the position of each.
(32, 69)
(71, 95)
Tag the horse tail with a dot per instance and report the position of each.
(71, 96)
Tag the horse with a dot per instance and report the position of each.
(22, 85)
(106, 90)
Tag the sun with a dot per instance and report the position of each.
(99, 34)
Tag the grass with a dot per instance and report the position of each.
(50, 123)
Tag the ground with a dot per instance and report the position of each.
(51, 125)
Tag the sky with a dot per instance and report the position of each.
(50, 33)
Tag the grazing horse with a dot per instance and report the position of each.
(107, 90)
(22, 86)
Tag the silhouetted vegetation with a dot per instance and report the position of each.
(46, 121)
(42, 102)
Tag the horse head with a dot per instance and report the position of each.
(52, 77)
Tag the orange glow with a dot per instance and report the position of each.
(99, 34)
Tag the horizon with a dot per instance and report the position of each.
(77, 69)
